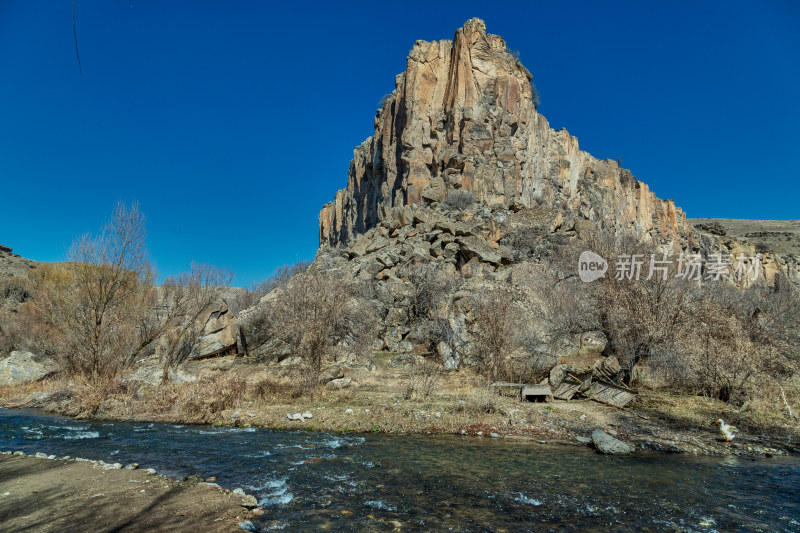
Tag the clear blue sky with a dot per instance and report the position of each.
(232, 123)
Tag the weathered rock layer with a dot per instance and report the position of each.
(463, 116)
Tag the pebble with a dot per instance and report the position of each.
(51, 457)
(307, 415)
(239, 491)
(151, 470)
(18, 453)
(294, 416)
(40, 455)
(117, 466)
(542, 442)
(348, 412)
(494, 435)
(132, 466)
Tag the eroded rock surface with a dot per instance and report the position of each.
(463, 116)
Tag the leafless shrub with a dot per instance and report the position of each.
(204, 400)
(422, 379)
(274, 390)
(535, 95)
(185, 301)
(257, 290)
(15, 288)
(429, 287)
(459, 199)
(741, 342)
(529, 242)
(481, 401)
(495, 330)
(317, 311)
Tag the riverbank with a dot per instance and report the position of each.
(233, 393)
(40, 494)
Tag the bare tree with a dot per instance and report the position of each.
(96, 301)
(185, 300)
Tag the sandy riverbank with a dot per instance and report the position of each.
(65, 495)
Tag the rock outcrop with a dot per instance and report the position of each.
(463, 116)
(23, 367)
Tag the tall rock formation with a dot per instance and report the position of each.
(463, 116)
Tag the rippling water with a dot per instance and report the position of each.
(309, 481)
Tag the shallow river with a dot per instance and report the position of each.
(310, 481)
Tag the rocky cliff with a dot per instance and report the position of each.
(463, 116)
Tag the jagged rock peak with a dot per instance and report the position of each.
(463, 116)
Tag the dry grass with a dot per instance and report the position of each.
(376, 402)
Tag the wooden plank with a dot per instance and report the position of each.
(508, 389)
(534, 393)
(566, 391)
(610, 394)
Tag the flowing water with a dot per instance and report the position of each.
(311, 481)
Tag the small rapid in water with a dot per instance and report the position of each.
(346, 482)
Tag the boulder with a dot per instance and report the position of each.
(473, 246)
(248, 501)
(605, 443)
(152, 373)
(337, 384)
(23, 367)
(330, 373)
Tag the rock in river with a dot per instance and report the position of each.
(605, 443)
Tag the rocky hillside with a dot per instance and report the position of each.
(13, 275)
(463, 117)
(461, 168)
(12, 264)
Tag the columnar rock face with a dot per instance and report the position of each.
(463, 116)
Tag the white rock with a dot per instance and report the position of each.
(307, 415)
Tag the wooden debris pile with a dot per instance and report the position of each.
(599, 382)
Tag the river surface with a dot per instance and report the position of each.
(344, 482)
